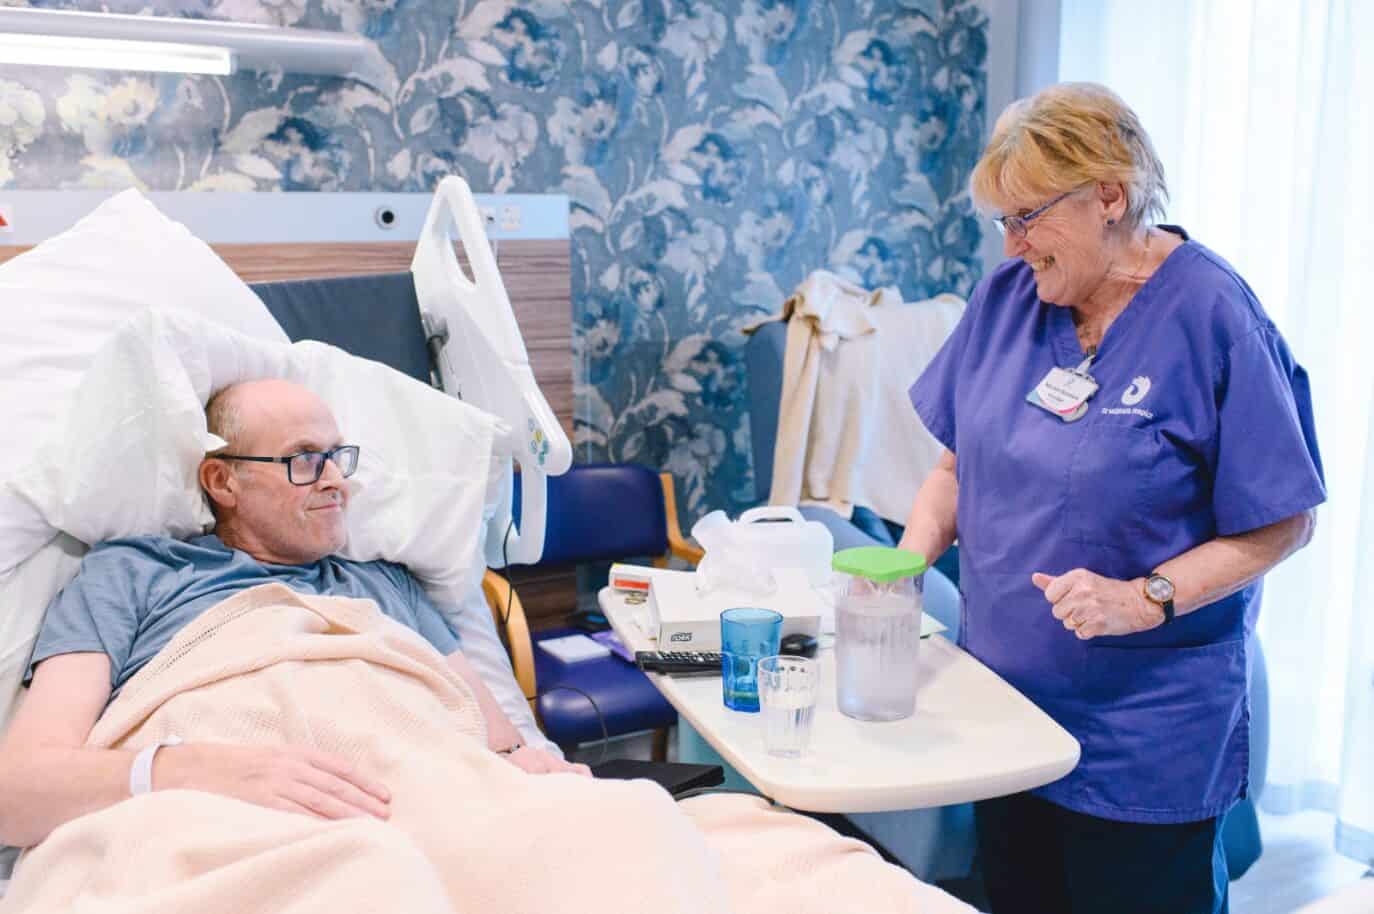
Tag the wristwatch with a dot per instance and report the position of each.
(1159, 590)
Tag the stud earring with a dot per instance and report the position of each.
(1111, 222)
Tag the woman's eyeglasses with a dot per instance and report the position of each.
(1016, 226)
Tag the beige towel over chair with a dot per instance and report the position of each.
(829, 381)
(846, 433)
(468, 832)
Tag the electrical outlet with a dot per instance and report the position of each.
(488, 217)
(510, 218)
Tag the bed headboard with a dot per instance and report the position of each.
(537, 273)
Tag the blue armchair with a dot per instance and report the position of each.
(597, 512)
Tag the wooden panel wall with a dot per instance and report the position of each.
(538, 279)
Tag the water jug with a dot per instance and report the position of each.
(878, 632)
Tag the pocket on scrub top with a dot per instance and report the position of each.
(1180, 710)
(1111, 475)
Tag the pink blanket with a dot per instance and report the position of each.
(469, 832)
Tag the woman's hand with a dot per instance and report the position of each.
(537, 761)
(1090, 605)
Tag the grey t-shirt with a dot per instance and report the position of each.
(133, 595)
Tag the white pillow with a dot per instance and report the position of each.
(63, 301)
(133, 439)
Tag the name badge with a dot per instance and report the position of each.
(1064, 392)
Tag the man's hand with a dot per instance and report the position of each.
(1090, 605)
(537, 761)
(293, 780)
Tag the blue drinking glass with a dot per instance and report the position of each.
(747, 634)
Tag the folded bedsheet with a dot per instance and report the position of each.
(468, 832)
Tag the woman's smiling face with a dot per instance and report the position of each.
(1064, 246)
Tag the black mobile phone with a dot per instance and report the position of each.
(675, 777)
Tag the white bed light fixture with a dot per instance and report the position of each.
(168, 44)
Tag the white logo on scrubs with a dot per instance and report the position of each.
(1136, 392)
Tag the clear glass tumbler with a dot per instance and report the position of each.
(788, 687)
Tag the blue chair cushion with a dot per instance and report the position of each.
(869, 522)
(626, 698)
(603, 512)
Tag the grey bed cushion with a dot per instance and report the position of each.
(376, 317)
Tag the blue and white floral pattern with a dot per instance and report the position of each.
(714, 153)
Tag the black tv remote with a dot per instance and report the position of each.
(679, 663)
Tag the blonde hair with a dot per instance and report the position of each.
(1064, 137)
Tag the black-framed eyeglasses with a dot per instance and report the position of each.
(1016, 226)
(306, 467)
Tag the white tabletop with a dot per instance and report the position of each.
(972, 736)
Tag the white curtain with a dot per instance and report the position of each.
(1261, 112)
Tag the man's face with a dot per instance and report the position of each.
(274, 520)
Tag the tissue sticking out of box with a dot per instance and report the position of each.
(728, 563)
(744, 554)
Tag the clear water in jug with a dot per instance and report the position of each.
(878, 633)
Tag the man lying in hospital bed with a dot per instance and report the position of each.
(279, 519)
(330, 758)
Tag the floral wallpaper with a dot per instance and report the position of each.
(714, 151)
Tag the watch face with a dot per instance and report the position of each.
(1159, 588)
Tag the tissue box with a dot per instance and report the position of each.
(683, 619)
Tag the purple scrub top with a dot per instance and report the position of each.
(1202, 427)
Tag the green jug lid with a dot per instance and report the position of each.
(879, 563)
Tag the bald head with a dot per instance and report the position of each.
(240, 412)
(257, 507)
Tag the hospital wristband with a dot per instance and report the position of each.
(141, 774)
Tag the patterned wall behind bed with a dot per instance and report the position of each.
(714, 152)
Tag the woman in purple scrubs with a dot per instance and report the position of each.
(1130, 448)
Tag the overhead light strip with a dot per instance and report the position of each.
(114, 54)
(41, 37)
